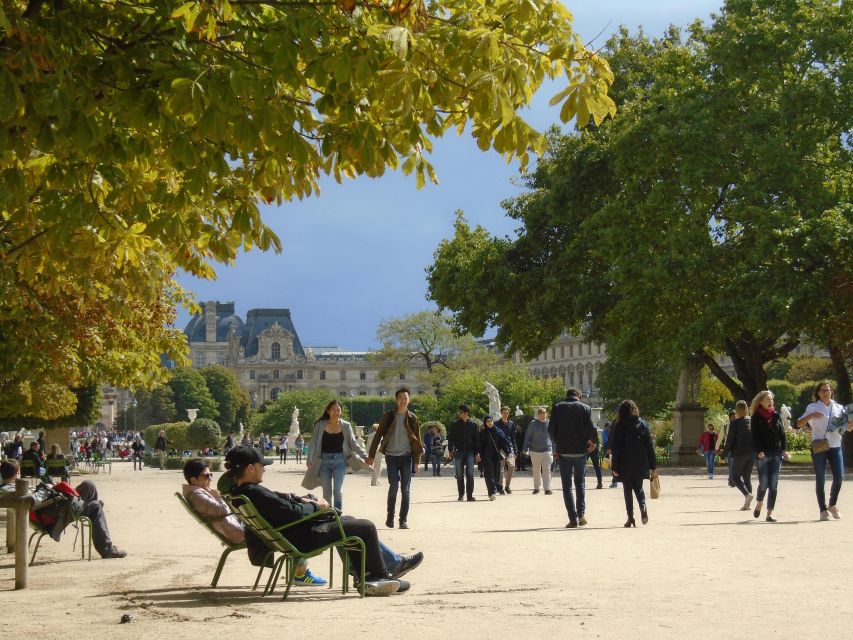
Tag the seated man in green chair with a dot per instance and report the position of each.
(90, 507)
(208, 503)
(384, 567)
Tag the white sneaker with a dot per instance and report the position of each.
(746, 502)
(381, 587)
(824, 516)
(835, 512)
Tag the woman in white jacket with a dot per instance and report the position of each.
(826, 445)
(333, 447)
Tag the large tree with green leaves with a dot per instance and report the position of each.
(223, 386)
(712, 216)
(426, 339)
(137, 138)
(189, 391)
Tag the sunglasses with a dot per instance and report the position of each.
(206, 475)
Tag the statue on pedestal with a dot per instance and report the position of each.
(494, 400)
(689, 380)
(785, 412)
(294, 429)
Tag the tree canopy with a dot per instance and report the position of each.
(138, 138)
(712, 216)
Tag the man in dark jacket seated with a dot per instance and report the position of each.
(247, 466)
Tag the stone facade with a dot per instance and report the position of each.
(572, 359)
(268, 358)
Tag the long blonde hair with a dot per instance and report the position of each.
(757, 400)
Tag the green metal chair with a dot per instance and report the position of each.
(83, 526)
(56, 468)
(291, 556)
(229, 546)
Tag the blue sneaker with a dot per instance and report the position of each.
(309, 579)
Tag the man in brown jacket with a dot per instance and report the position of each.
(398, 436)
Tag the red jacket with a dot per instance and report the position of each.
(708, 441)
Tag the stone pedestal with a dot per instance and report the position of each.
(688, 423)
(60, 436)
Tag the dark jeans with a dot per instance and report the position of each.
(572, 470)
(596, 464)
(325, 533)
(282, 455)
(633, 487)
(768, 478)
(464, 463)
(100, 532)
(741, 466)
(436, 463)
(835, 457)
(399, 476)
(492, 474)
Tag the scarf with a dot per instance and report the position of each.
(767, 414)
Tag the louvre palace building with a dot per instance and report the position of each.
(265, 353)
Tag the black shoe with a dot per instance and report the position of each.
(630, 523)
(502, 492)
(573, 524)
(114, 552)
(403, 524)
(508, 490)
(535, 491)
(406, 564)
(389, 521)
(460, 498)
(599, 486)
(644, 516)
(548, 492)
(472, 499)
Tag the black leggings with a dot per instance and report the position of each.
(742, 464)
(633, 485)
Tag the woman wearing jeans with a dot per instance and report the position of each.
(768, 437)
(818, 415)
(332, 445)
(708, 448)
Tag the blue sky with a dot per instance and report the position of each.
(356, 254)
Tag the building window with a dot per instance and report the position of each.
(589, 349)
(553, 353)
(402, 377)
(580, 378)
(276, 351)
(571, 351)
(362, 375)
(562, 353)
(275, 374)
(322, 375)
(200, 360)
(598, 346)
(343, 374)
(571, 378)
(299, 374)
(251, 374)
(362, 393)
(222, 358)
(274, 393)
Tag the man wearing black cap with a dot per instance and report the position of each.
(247, 466)
(463, 445)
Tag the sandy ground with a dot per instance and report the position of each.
(503, 569)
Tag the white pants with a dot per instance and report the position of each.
(377, 469)
(541, 463)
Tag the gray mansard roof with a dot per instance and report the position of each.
(257, 320)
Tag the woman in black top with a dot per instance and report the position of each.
(741, 452)
(633, 457)
(768, 437)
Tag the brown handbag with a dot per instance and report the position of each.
(819, 446)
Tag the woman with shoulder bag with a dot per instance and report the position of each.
(633, 457)
(826, 446)
(332, 447)
(768, 437)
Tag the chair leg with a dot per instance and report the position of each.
(291, 574)
(261, 570)
(220, 566)
(331, 566)
(275, 573)
(38, 542)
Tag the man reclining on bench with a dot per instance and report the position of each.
(384, 567)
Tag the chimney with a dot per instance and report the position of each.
(210, 321)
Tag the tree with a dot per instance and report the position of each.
(426, 338)
(136, 139)
(223, 386)
(190, 392)
(86, 405)
(155, 406)
(203, 433)
(712, 216)
(276, 419)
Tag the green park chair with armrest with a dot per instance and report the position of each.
(82, 524)
(56, 467)
(229, 546)
(291, 556)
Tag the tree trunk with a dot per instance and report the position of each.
(842, 376)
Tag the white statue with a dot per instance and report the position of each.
(785, 412)
(494, 400)
(192, 414)
(294, 429)
(518, 411)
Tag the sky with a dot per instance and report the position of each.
(356, 254)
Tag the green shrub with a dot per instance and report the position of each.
(805, 396)
(203, 433)
(662, 433)
(783, 393)
(799, 441)
(176, 435)
(433, 423)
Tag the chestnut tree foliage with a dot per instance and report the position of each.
(711, 216)
(137, 138)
